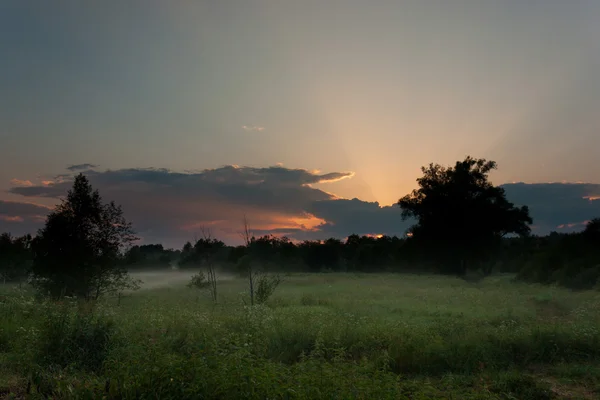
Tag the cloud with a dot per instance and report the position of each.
(361, 217)
(253, 128)
(20, 217)
(170, 207)
(9, 218)
(18, 182)
(81, 167)
(561, 207)
(165, 204)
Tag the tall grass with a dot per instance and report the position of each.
(320, 336)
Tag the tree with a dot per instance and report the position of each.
(205, 253)
(77, 251)
(460, 214)
(149, 256)
(247, 261)
(592, 230)
(260, 284)
(15, 257)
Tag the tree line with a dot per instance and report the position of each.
(568, 259)
(465, 226)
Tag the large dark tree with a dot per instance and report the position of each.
(460, 215)
(77, 251)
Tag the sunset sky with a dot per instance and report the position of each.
(310, 117)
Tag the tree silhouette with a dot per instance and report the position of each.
(15, 257)
(460, 214)
(592, 230)
(77, 251)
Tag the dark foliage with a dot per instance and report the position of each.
(15, 257)
(461, 216)
(202, 253)
(150, 256)
(77, 252)
(571, 260)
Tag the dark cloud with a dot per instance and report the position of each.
(81, 167)
(170, 207)
(274, 188)
(361, 217)
(166, 204)
(22, 209)
(557, 206)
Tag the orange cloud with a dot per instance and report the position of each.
(19, 182)
(306, 222)
(591, 198)
(11, 218)
(327, 179)
(572, 225)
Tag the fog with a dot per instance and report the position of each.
(157, 279)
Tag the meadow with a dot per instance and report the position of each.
(320, 336)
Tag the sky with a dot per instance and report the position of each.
(312, 117)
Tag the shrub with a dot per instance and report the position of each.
(266, 285)
(199, 281)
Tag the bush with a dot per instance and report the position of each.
(199, 281)
(266, 285)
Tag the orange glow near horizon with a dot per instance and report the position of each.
(310, 222)
(374, 235)
(307, 222)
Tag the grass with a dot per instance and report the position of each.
(329, 336)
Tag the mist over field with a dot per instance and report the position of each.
(153, 279)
